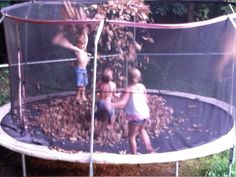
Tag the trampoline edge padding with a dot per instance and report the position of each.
(223, 143)
(36, 150)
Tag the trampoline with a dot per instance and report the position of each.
(188, 70)
(180, 141)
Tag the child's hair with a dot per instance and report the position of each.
(81, 40)
(107, 75)
(135, 75)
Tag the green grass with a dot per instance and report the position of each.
(4, 86)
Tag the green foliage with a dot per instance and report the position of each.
(219, 165)
(181, 12)
(214, 166)
(166, 12)
(179, 9)
(202, 13)
(4, 3)
(164, 8)
(4, 86)
(195, 167)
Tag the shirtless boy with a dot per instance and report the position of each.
(106, 91)
(80, 63)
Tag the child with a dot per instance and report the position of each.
(137, 111)
(81, 62)
(106, 91)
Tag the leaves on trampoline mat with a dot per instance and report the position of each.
(200, 130)
(181, 120)
(188, 138)
(192, 106)
(212, 133)
(190, 129)
(122, 152)
(66, 120)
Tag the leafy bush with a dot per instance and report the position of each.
(195, 167)
(219, 165)
(214, 166)
(4, 86)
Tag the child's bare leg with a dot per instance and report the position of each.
(146, 140)
(112, 114)
(83, 93)
(78, 94)
(111, 122)
(133, 132)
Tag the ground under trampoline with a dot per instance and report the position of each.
(199, 126)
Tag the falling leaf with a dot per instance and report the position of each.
(188, 138)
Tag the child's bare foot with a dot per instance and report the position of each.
(109, 127)
(78, 98)
(151, 150)
(84, 98)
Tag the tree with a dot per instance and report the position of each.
(115, 38)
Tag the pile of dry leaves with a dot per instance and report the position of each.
(66, 119)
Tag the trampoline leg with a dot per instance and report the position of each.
(23, 165)
(231, 160)
(177, 169)
(91, 170)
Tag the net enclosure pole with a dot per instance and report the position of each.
(230, 6)
(231, 160)
(232, 150)
(2, 18)
(99, 31)
(19, 79)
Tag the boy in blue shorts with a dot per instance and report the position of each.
(80, 63)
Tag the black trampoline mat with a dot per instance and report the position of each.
(194, 123)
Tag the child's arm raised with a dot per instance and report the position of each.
(60, 40)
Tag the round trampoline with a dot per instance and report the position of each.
(188, 70)
(188, 135)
